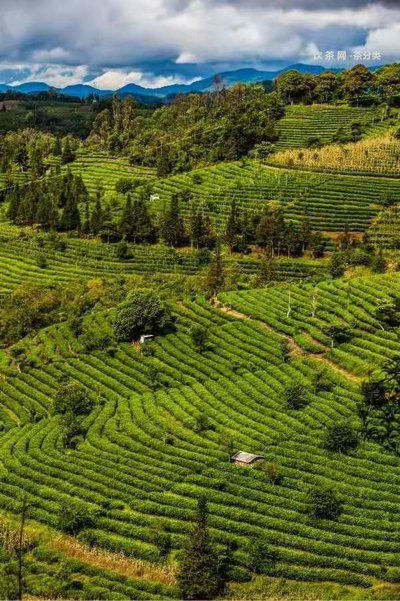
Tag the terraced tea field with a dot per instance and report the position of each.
(145, 462)
(90, 259)
(303, 122)
(331, 202)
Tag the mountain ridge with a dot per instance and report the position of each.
(229, 78)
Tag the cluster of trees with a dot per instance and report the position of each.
(51, 203)
(29, 149)
(33, 306)
(358, 86)
(351, 252)
(73, 404)
(380, 408)
(142, 312)
(196, 129)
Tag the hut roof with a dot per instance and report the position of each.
(244, 457)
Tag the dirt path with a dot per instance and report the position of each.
(294, 349)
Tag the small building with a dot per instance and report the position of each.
(146, 338)
(246, 459)
(154, 197)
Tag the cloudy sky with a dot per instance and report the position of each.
(157, 42)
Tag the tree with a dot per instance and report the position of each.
(267, 270)
(356, 82)
(142, 312)
(296, 395)
(198, 576)
(378, 262)
(199, 336)
(215, 279)
(76, 515)
(68, 155)
(262, 557)
(341, 437)
(337, 265)
(57, 150)
(291, 86)
(171, 226)
(232, 226)
(70, 218)
(324, 503)
(71, 397)
(96, 219)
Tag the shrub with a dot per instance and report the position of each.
(341, 437)
(199, 336)
(324, 503)
(75, 515)
(262, 557)
(339, 334)
(72, 398)
(41, 261)
(142, 312)
(124, 185)
(122, 251)
(271, 472)
(296, 395)
(313, 142)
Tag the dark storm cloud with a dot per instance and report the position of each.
(87, 37)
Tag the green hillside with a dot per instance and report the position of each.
(200, 350)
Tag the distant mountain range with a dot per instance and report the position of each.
(229, 78)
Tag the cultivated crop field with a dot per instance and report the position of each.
(372, 156)
(302, 122)
(136, 431)
(112, 433)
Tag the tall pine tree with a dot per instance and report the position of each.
(198, 576)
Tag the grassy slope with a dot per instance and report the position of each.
(238, 383)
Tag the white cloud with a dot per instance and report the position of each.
(58, 76)
(385, 40)
(117, 78)
(130, 35)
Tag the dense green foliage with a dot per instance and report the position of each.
(195, 129)
(114, 443)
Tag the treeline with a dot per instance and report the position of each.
(62, 203)
(358, 86)
(197, 129)
(51, 203)
(32, 150)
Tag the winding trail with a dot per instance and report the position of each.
(294, 349)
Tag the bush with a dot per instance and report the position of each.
(313, 142)
(75, 515)
(262, 557)
(123, 185)
(324, 503)
(341, 437)
(339, 334)
(296, 395)
(142, 312)
(72, 398)
(41, 261)
(122, 251)
(199, 336)
(271, 472)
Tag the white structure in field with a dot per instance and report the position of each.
(146, 338)
(244, 458)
